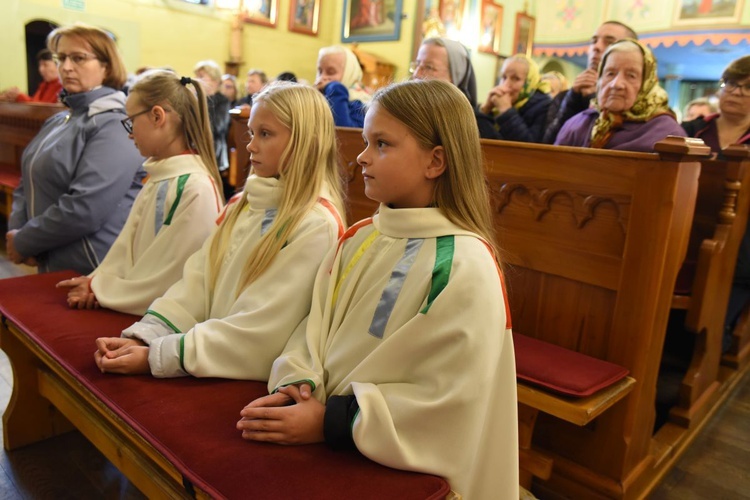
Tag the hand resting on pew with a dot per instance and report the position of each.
(122, 355)
(80, 295)
(289, 416)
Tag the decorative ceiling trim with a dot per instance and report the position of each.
(653, 40)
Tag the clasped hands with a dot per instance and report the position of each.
(13, 255)
(121, 355)
(289, 416)
(498, 102)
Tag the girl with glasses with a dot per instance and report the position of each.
(80, 174)
(177, 208)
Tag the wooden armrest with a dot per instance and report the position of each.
(577, 411)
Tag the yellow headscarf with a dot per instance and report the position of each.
(651, 101)
(533, 81)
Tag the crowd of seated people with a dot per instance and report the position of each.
(231, 285)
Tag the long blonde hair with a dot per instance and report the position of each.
(438, 114)
(309, 162)
(162, 87)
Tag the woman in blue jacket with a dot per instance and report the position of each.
(81, 173)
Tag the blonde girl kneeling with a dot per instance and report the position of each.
(408, 353)
(249, 287)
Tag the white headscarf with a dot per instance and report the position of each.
(352, 78)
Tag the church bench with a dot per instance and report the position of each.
(705, 281)
(171, 437)
(19, 123)
(738, 356)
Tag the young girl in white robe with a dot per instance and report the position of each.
(407, 354)
(177, 208)
(250, 285)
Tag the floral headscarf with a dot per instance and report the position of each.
(533, 81)
(651, 101)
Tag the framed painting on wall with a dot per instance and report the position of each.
(303, 16)
(523, 39)
(451, 15)
(371, 20)
(707, 11)
(262, 12)
(490, 26)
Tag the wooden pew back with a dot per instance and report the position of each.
(593, 242)
(719, 223)
(19, 123)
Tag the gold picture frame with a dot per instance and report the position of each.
(523, 38)
(303, 16)
(490, 27)
(261, 12)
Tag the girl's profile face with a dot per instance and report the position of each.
(394, 165)
(142, 134)
(268, 140)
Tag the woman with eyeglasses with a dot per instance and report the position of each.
(730, 126)
(81, 173)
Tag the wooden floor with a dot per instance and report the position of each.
(715, 467)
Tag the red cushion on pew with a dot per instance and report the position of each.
(192, 421)
(561, 370)
(684, 283)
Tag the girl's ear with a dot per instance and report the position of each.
(437, 166)
(158, 115)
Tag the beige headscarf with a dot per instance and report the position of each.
(651, 101)
(352, 77)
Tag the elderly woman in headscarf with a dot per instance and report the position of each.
(339, 77)
(448, 60)
(631, 111)
(517, 107)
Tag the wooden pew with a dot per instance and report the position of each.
(738, 356)
(593, 243)
(19, 123)
(719, 223)
(173, 438)
(239, 158)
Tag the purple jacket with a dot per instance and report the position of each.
(632, 136)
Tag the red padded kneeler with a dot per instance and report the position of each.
(192, 421)
(561, 370)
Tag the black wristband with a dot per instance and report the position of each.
(337, 422)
